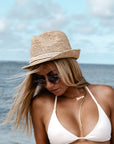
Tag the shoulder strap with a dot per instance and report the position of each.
(55, 103)
(91, 95)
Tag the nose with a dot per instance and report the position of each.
(48, 85)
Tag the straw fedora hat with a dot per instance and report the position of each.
(50, 46)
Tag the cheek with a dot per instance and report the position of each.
(63, 86)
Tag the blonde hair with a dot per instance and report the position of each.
(70, 72)
(20, 112)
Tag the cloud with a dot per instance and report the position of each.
(102, 8)
(85, 29)
(28, 16)
(17, 50)
(110, 47)
(83, 24)
(91, 44)
(28, 10)
(2, 25)
(103, 12)
(14, 54)
(11, 41)
(21, 26)
(25, 19)
(31, 10)
(107, 22)
(57, 21)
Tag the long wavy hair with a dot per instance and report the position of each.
(20, 112)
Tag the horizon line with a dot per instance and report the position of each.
(78, 62)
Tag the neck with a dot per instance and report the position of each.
(73, 92)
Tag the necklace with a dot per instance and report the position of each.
(81, 97)
(76, 98)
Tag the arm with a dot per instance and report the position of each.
(112, 115)
(108, 92)
(38, 122)
(107, 97)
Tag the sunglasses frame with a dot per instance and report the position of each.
(52, 79)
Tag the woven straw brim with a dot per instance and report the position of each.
(74, 53)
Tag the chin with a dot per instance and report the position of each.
(58, 93)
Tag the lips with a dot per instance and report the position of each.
(54, 90)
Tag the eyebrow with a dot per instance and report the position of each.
(39, 76)
(52, 73)
(48, 74)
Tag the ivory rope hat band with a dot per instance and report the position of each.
(50, 46)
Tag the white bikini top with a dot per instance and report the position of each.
(57, 134)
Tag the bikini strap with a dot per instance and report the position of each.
(55, 103)
(91, 95)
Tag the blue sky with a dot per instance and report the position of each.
(89, 25)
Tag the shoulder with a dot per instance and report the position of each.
(43, 102)
(102, 89)
(104, 92)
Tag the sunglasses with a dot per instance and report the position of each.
(52, 79)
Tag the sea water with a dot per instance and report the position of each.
(93, 73)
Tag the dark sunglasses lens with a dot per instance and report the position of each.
(40, 82)
(54, 79)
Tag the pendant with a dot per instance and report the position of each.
(78, 98)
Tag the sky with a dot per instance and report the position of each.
(89, 25)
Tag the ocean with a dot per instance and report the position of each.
(93, 73)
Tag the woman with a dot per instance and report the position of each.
(56, 99)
